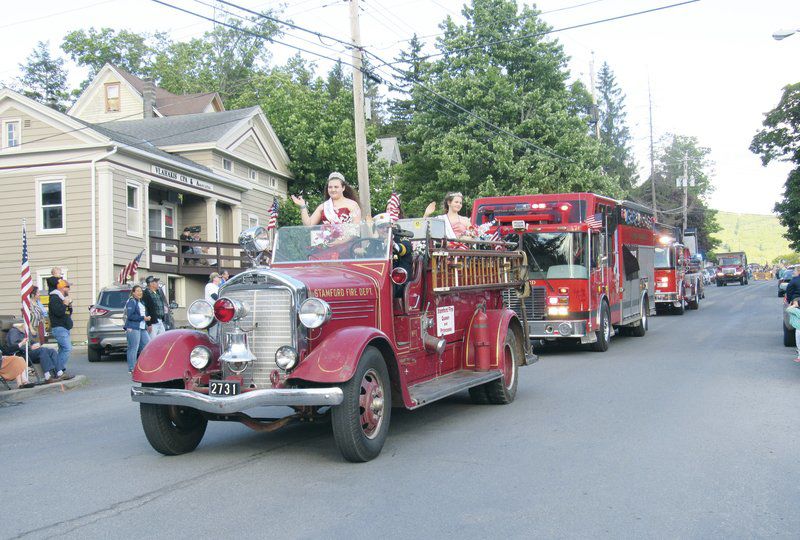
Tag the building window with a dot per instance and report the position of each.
(176, 290)
(227, 164)
(253, 174)
(112, 97)
(51, 205)
(252, 220)
(12, 134)
(134, 208)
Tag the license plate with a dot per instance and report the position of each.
(116, 322)
(223, 388)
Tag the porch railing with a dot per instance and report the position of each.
(195, 258)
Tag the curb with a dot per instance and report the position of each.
(62, 386)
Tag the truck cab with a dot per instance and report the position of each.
(336, 325)
(679, 282)
(732, 268)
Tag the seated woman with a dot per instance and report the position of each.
(456, 225)
(340, 204)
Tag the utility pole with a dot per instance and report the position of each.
(595, 108)
(652, 157)
(685, 189)
(358, 113)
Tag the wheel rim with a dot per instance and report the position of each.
(508, 365)
(184, 419)
(606, 327)
(644, 318)
(371, 404)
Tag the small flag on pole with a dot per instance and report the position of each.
(26, 284)
(130, 269)
(595, 221)
(393, 207)
(273, 215)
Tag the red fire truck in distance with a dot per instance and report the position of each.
(589, 259)
(678, 281)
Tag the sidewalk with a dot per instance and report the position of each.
(60, 386)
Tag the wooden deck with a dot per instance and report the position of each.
(182, 258)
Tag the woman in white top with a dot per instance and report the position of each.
(340, 204)
(455, 224)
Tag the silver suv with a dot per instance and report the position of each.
(105, 333)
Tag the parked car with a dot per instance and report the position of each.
(784, 277)
(105, 334)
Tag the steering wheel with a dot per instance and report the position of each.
(371, 247)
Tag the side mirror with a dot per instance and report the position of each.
(91, 307)
(173, 305)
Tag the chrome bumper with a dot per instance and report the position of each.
(242, 402)
(115, 341)
(556, 329)
(666, 297)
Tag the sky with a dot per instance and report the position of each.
(711, 67)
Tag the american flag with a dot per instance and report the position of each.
(393, 207)
(130, 268)
(26, 285)
(496, 238)
(595, 221)
(273, 215)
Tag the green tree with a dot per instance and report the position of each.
(669, 195)
(94, 48)
(519, 86)
(614, 131)
(44, 78)
(780, 141)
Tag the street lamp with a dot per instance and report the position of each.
(783, 34)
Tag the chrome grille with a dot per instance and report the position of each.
(268, 325)
(534, 304)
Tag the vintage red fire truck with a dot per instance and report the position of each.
(338, 324)
(679, 281)
(589, 260)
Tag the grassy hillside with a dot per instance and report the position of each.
(760, 236)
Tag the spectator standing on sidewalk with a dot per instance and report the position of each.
(793, 288)
(60, 310)
(136, 319)
(224, 277)
(154, 304)
(43, 356)
(52, 281)
(212, 287)
(38, 315)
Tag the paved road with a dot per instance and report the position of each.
(691, 431)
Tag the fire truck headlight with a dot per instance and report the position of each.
(200, 357)
(314, 313)
(557, 310)
(286, 358)
(200, 314)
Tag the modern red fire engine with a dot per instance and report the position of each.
(678, 278)
(589, 258)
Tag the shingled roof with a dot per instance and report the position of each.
(169, 104)
(184, 129)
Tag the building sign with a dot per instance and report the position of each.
(182, 178)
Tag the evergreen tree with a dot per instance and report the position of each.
(43, 78)
(614, 131)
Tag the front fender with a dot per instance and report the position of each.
(166, 358)
(336, 358)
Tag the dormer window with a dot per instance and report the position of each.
(11, 134)
(112, 97)
(227, 164)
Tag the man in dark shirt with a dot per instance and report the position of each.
(60, 312)
(793, 289)
(38, 355)
(154, 304)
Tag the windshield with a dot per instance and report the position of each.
(663, 257)
(730, 261)
(114, 299)
(339, 242)
(556, 255)
(787, 274)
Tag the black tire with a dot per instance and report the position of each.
(679, 310)
(788, 336)
(172, 430)
(604, 332)
(780, 294)
(719, 284)
(94, 354)
(478, 395)
(503, 390)
(693, 304)
(641, 329)
(358, 441)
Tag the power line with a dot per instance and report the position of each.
(56, 14)
(245, 30)
(552, 31)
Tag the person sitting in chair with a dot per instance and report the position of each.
(37, 354)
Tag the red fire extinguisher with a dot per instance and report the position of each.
(480, 327)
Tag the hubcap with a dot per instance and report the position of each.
(508, 364)
(606, 327)
(371, 404)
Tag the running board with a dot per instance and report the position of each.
(427, 392)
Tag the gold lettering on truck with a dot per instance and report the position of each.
(342, 292)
